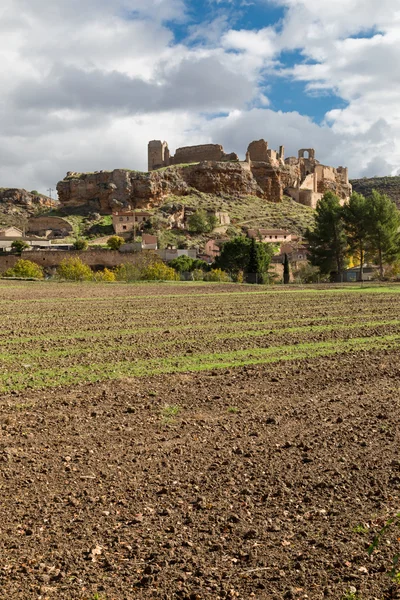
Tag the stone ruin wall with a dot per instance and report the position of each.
(159, 155)
(264, 173)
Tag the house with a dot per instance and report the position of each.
(33, 243)
(353, 274)
(212, 249)
(168, 254)
(271, 236)
(149, 242)
(11, 232)
(128, 220)
(49, 227)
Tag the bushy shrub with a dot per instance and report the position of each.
(160, 272)
(198, 275)
(217, 275)
(115, 242)
(105, 275)
(25, 268)
(306, 273)
(128, 272)
(74, 269)
(80, 244)
(19, 246)
(201, 222)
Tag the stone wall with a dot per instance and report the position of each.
(39, 225)
(52, 258)
(258, 151)
(159, 154)
(191, 154)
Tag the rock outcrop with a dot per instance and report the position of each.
(14, 199)
(265, 173)
(107, 191)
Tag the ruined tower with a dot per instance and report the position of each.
(158, 155)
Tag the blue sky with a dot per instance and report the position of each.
(87, 85)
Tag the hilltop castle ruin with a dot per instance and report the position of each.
(303, 178)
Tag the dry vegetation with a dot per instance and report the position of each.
(198, 441)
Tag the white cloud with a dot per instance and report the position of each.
(86, 84)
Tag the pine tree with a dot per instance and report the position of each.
(355, 215)
(327, 240)
(253, 267)
(286, 272)
(383, 228)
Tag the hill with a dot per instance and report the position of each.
(17, 205)
(384, 185)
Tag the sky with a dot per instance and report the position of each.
(85, 84)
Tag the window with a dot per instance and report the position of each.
(121, 218)
(123, 226)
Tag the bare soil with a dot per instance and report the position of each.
(265, 481)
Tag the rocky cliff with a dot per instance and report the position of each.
(107, 190)
(17, 205)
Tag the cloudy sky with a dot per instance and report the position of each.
(85, 84)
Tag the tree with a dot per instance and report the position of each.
(383, 228)
(80, 244)
(328, 242)
(19, 246)
(182, 264)
(235, 256)
(25, 268)
(115, 242)
(286, 272)
(200, 222)
(160, 272)
(356, 221)
(254, 267)
(74, 269)
(105, 275)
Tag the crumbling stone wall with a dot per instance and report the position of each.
(159, 155)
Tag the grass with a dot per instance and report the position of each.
(168, 414)
(61, 334)
(53, 377)
(251, 211)
(361, 529)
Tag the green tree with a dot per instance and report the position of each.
(19, 246)
(25, 268)
(80, 244)
(254, 265)
(356, 221)
(328, 242)
(286, 271)
(182, 264)
(74, 269)
(383, 228)
(200, 222)
(115, 242)
(235, 256)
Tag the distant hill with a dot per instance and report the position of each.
(383, 185)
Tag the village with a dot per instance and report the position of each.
(135, 203)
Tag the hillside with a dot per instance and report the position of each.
(17, 205)
(384, 185)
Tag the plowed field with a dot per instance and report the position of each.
(198, 441)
